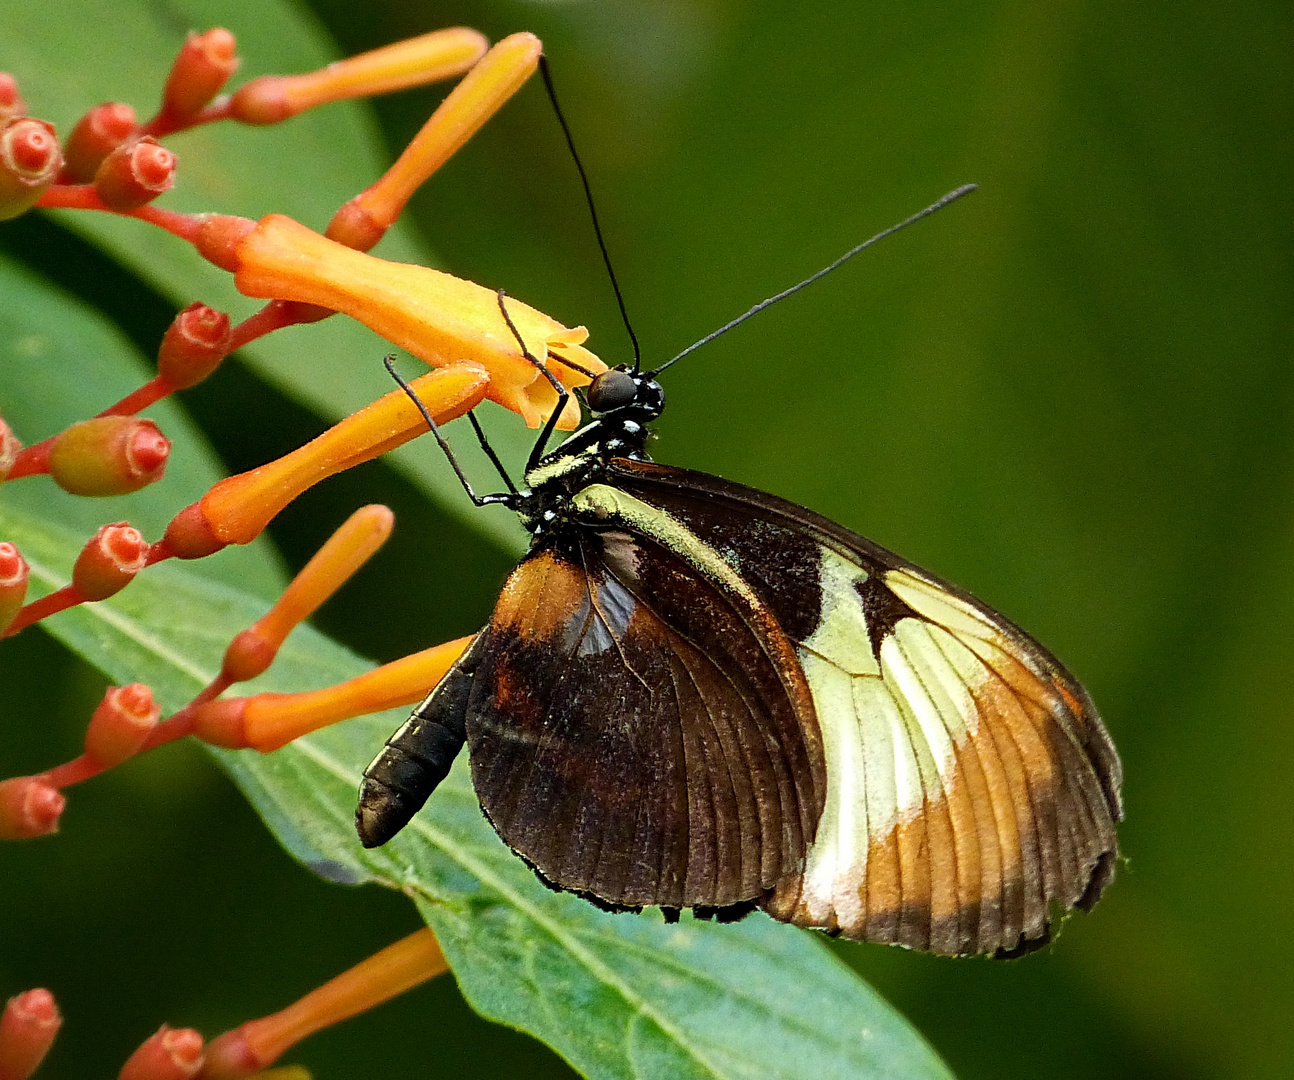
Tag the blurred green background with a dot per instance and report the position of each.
(1072, 393)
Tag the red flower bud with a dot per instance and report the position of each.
(218, 239)
(29, 807)
(29, 163)
(222, 723)
(263, 101)
(121, 723)
(135, 174)
(12, 105)
(13, 584)
(109, 455)
(96, 135)
(204, 65)
(170, 1054)
(27, 1029)
(193, 346)
(354, 226)
(110, 561)
(190, 535)
(9, 448)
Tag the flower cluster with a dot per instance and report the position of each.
(480, 346)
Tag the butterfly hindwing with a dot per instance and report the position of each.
(970, 782)
(634, 730)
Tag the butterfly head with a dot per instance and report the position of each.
(622, 393)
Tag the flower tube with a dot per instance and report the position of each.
(439, 318)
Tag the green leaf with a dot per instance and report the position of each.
(304, 168)
(616, 995)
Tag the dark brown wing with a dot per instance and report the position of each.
(970, 782)
(639, 735)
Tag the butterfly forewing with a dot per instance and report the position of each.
(638, 732)
(970, 782)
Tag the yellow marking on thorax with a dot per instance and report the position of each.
(608, 504)
(541, 474)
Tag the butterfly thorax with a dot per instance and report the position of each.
(623, 406)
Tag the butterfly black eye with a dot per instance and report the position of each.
(611, 390)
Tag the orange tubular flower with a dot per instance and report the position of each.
(441, 54)
(237, 509)
(265, 722)
(259, 1043)
(349, 548)
(361, 222)
(439, 318)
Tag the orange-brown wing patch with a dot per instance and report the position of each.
(546, 598)
(630, 732)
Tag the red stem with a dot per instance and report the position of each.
(73, 772)
(84, 197)
(174, 727)
(181, 724)
(162, 125)
(276, 315)
(66, 597)
(159, 552)
(138, 400)
(32, 460)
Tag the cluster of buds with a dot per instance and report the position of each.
(111, 162)
(31, 1021)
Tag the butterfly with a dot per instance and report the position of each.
(693, 694)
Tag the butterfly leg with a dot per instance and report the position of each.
(563, 394)
(506, 498)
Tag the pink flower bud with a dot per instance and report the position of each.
(13, 584)
(12, 105)
(29, 807)
(30, 161)
(170, 1054)
(121, 723)
(135, 174)
(204, 65)
(193, 346)
(96, 135)
(9, 448)
(109, 455)
(27, 1029)
(110, 561)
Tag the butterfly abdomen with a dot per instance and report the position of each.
(415, 759)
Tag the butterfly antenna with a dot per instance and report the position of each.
(951, 197)
(593, 212)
